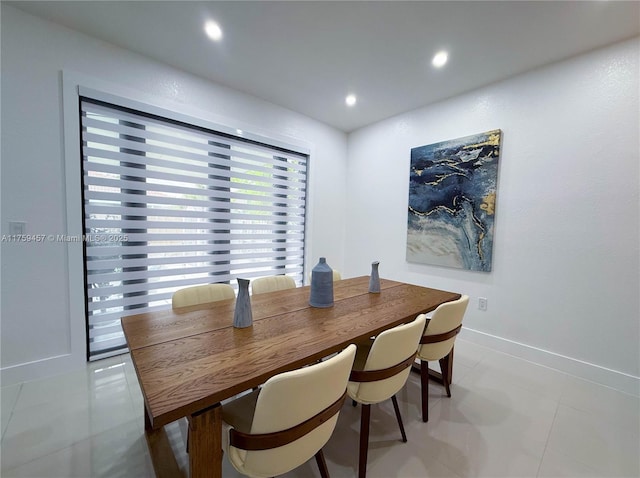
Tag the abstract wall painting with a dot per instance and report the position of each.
(452, 196)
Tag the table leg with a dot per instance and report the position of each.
(162, 457)
(205, 443)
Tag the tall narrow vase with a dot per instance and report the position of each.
(321, 285)
(242, 316)
(374, 280)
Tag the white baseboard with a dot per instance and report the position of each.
(38, 369)
(594, 373)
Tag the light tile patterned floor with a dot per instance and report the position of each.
(506, 418)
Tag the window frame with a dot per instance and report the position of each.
(277, 142)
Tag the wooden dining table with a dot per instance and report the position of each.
(188, 360)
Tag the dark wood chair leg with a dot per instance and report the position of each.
(450, 367)
(444, 366)
(399, 418)
(365, 417)
(424, 385)
(322, 465)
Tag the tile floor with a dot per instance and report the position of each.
(506, 418)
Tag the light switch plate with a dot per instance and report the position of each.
(17, 228)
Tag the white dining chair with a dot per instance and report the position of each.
(201, 294)
(277, 428)
(272, 284)
(437, 344)
(380, 370)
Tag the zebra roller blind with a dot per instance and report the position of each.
(169, 205)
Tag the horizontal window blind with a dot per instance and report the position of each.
(169, 205)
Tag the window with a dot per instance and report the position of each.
(169, 204)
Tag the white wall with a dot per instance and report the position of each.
(564, 290)
(40, 329)
(564, 287)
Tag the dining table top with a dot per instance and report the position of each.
(191, 358)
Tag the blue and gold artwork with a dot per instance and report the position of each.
(452, 197)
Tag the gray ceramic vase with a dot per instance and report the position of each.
(242, 316)
(374, 280)
(321, 285)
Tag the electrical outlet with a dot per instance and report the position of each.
(482, 303)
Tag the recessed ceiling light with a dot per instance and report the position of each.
(350, 100)
(213, 30)
(440, 59)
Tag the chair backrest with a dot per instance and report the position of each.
(284, 403)
(201, 294)
(392, 350)
(446, 318)
(271, 284)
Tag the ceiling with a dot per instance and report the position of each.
(307, 56)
